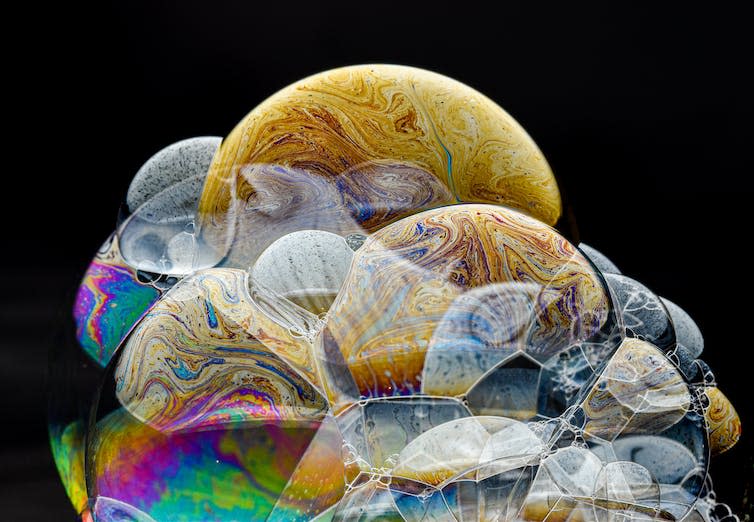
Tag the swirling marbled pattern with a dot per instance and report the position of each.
(723, 422)
(639, 391)
(360, 199)
(406, 276)
(199, 358)
(109, 301)
(355, 118)
(226, 473)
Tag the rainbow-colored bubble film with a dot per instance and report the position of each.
(363, 304)
(233, 473)
(109, 301)
(67, 444)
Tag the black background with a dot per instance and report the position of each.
(644, 115)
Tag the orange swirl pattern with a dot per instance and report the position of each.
(723, 422)
(360, 199)
(355, 117)
(194, 361)
(405, 277)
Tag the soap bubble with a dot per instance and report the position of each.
(356, 307)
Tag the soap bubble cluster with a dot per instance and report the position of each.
(356, 307)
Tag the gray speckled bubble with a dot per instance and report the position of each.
(599, 259)
(181, 160)
(687, 332)
(643, 313)
(305, 266)
(159, 237)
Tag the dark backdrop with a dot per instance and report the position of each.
(644, 115)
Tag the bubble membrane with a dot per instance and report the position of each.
(356, 307)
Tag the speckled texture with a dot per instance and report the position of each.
(163, 197)
(181, 160)
(644, 315)
(304, 263)
(599, 259)
(687, 332)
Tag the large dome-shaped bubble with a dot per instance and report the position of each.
(356, 307)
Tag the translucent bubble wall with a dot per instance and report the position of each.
(357, 306)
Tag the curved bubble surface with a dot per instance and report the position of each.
(356, 307)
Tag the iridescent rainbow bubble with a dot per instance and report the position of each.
(356, 307)
(110, 300)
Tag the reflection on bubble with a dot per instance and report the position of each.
(355, 307)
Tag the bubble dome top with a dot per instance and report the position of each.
(356, 307)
